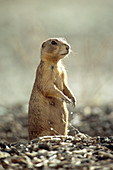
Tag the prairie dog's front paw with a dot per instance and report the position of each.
(67, 100)
(73, 100)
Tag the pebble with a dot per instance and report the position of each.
(4, 155)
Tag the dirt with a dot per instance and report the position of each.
(88, 146)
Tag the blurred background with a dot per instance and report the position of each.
(87, 26)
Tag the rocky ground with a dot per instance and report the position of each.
(88, 146)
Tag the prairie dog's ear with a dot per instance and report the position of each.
(43, 44)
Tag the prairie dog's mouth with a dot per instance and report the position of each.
(64, 53)
(67, 52)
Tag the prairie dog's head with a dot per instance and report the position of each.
(54, 49)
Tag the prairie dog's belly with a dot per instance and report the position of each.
(40, 101)
(48, 114)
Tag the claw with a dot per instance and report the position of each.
(73, 101)
(70, 101)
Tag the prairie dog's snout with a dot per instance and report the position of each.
(65, 49)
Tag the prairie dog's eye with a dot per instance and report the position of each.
(53, 43)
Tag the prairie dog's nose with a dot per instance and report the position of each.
(67, 47)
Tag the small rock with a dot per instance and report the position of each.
(4, 155)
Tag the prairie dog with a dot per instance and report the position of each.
(47, 113)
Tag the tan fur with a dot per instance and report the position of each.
(48, 114)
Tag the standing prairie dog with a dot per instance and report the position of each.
(48, 114)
